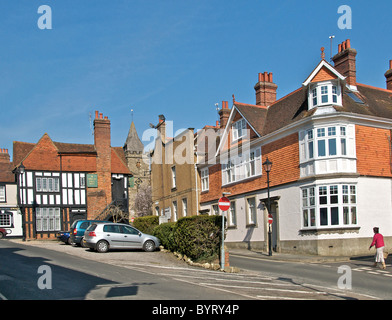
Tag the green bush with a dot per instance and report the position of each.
(165, 233)
(146, 224)
(198, 237)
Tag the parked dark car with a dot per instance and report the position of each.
(77, 230)
(3, 233)
(108, 235)
(64, 236)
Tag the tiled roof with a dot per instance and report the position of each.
(6, 174)
(21, 150)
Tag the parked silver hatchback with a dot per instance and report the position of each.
(102, 236)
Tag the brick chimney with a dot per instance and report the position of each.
(344, 62)
(224, 114)
(102, 145)
(388, 76)
(4, 156)
(265, 90)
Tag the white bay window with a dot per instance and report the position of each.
(327, 149)
(333, 205)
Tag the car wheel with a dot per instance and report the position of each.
(102, 246)
(1, 235)
(69, 241)
(82, 243)
(149, 246)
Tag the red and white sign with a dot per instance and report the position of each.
(270, 219)
(224, 204)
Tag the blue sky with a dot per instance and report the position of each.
(171, 57)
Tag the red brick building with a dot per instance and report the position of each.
(329, 142)
(65, 181)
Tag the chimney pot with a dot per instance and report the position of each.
(100, 116)
(345, 62)
(265, 90)
(106, 117)
(388, 76)
(96, 114)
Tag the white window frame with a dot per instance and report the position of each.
(238, 129)
(251, 211)
(48, 219)
(232, 214)
(204, 176)
(242, 167)
(184, 207)
(3, 197)
(325, 142)
(45, 184)
(173, 174)
(175, 211)
(329, 90)
(321, 202)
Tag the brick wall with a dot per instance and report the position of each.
(284, 155)
(373, 151)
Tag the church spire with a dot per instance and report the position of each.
(133, 143)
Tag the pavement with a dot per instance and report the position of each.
(277, 256)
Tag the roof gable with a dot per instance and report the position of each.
(253, 116)
(43, 155)
(323, 71)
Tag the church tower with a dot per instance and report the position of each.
(137, 162)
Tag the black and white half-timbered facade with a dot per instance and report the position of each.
(62, 182)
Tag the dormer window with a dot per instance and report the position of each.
(325, 93)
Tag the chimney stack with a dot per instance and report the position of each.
(161, 127)
(265, 90)
(388, 76)
(4, 156)
(224, 114)
(345, 62)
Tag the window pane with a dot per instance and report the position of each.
(334, 216)
(331, 131)
(323, 216)
(321, 148)
(343, 147)
(346, 217)
(322, 195)
(306, 218)
(333, 191)
(312, 217)
(310, 149)
(332, 147)
(320, 132)
(353, 215)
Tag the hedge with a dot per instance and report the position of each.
(197, 237)
(146, 224)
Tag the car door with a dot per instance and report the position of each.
(132, 237)
(112, 233)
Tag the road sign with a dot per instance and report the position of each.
(270, 219)
(224, 204)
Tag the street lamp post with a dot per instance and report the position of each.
(20, 171)
(267, 167)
